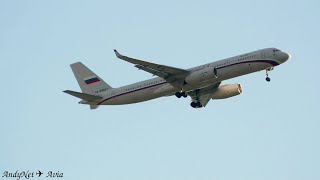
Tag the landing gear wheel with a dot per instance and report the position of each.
(184, 94)
(196, 104)
(268, 79)
(181, 94)
(193, 104)
(199, 104)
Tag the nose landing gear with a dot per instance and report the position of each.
(267, 78)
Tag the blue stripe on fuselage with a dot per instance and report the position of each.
(272, 62)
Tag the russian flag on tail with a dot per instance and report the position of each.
(91, 80)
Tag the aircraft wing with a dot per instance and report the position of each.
(174, 76)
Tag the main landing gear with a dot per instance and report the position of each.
(196, 104)
(181, 94)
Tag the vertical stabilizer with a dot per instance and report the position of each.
(89, 82)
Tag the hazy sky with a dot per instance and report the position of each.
(271, 131)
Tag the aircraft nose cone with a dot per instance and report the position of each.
(285, 56)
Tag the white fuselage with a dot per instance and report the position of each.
(226, 69)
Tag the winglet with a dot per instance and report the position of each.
(117, 54)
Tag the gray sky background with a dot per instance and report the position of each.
(271, 131)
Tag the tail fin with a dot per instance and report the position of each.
(88, 81)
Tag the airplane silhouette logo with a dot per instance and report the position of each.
(39, 173)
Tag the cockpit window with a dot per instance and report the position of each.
(276, 50)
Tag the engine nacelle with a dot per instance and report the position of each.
(201, 75)
(226, 91)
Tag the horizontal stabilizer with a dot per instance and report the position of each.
(84, 96)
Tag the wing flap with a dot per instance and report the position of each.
(152, 71)
(204, 99)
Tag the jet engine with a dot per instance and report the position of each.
(201, 75)
(226, 91)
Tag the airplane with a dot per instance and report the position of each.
(201, 83)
